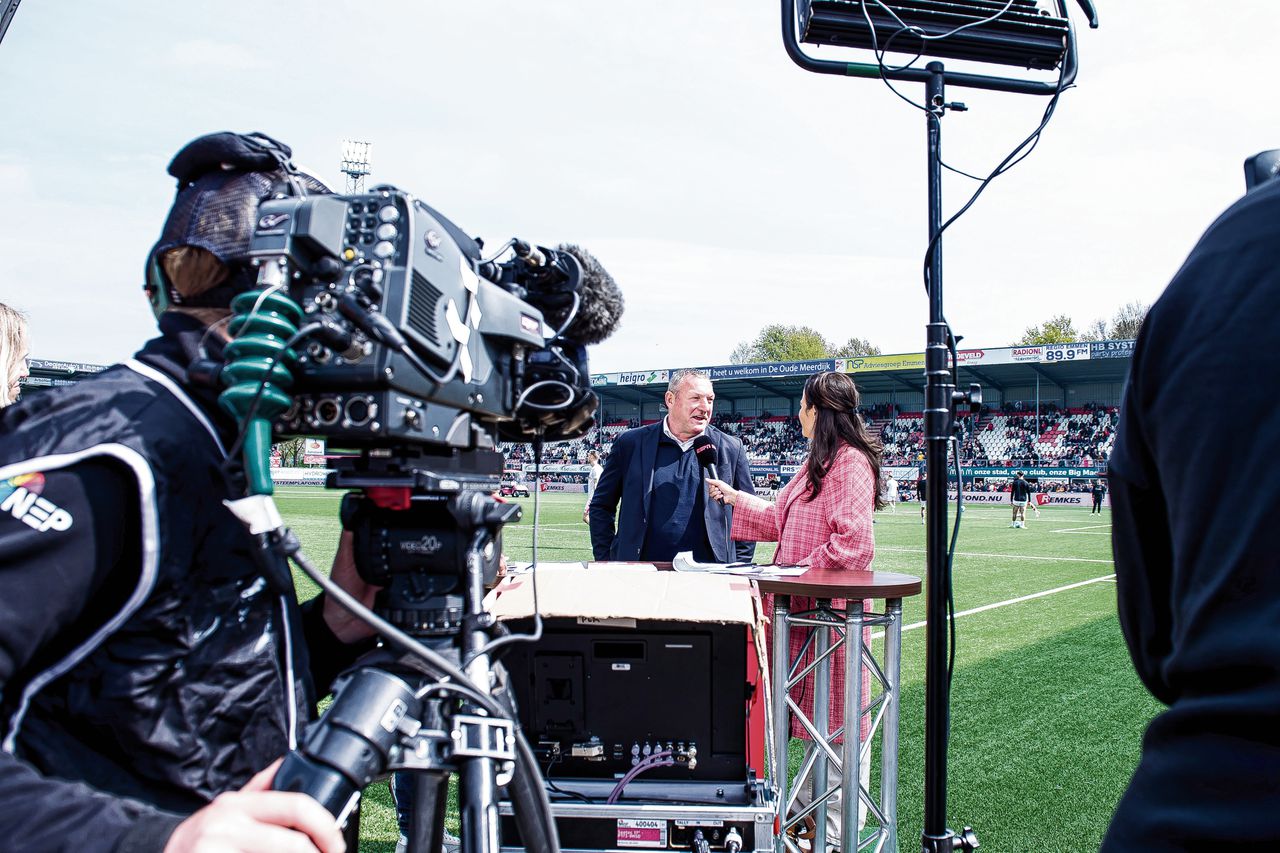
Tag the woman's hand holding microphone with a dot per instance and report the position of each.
(722, 492)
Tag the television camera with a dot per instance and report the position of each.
(378, 324)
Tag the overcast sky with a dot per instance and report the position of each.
(723, 187)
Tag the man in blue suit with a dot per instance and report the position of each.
(654, 472)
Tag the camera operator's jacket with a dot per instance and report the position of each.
(145, 664)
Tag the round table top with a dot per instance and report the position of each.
(828, 583)
(841, 583)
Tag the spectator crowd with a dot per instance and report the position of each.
(1010, 436)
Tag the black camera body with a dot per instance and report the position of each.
(383, 263)
(417, 356)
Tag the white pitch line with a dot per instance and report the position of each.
(1018, 600)
(1087, 530)
(1004, 556)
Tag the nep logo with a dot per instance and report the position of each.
(20, 497)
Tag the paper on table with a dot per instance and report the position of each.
(684, 562)
(782, 571)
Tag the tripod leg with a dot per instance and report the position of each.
(420, 801)
(478, 806)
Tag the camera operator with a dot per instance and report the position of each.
(151, 672)
(1198, 588)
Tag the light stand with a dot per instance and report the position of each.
(941, 398)
(941, 403)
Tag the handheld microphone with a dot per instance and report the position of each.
(707, 455)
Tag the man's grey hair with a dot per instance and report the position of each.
(679, 376)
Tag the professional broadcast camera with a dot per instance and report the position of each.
(384, 268)
(421, 355)
(378, 325)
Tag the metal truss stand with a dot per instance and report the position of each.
(829, 630)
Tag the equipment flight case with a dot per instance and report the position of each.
(650, 732)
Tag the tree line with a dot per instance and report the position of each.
(782, 342)
(1061, 329)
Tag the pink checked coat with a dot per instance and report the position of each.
(831, 532)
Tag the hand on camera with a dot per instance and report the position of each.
(344, 624)
(257, 818)
(722, 492)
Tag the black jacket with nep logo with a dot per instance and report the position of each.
(143, 664)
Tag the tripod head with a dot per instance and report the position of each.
(416, 517)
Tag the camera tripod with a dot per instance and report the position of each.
(438, 709)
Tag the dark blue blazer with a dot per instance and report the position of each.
(628, 477)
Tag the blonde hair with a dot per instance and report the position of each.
(13, 349)
(192, 271)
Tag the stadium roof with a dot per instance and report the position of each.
(1057, 364)
(45, 373)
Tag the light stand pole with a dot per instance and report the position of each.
(938, 420)
(838, 26)
(941, 402)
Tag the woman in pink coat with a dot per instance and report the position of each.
(822, 518)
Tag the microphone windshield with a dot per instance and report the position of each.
(706, 450)
(600, 300)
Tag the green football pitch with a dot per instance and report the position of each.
(1047, 713)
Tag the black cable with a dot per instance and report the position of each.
(951, 556)
(536, 634)
(437, 665)
(1016, 156)
(556, 759)
(960, 172)
(419, 365)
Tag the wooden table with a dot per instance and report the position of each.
(829, 629)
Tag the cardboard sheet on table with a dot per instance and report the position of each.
(605, 592)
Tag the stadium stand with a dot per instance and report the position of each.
(1078, 437)
(1009, 434)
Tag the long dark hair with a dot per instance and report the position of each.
(834, 398)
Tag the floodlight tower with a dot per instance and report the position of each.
(355, 164)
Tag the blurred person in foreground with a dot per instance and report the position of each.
(14, 349)
(655, 473)
(151, 673)
(1199, 588)
(822, 519)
